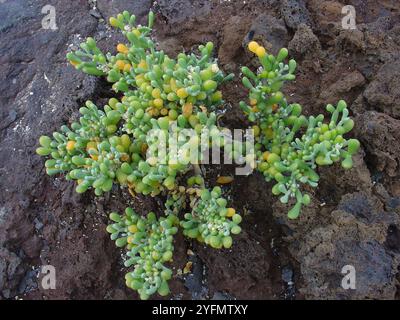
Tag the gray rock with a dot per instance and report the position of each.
(269, 31)
(194, 281)
(39, 89)
(295, 12)
(356, 237)
(383, 92)
(177, 11)
(304, 43)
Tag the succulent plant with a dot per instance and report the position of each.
(210, 221)
(290, 146)
(149, 244)
(115, 145)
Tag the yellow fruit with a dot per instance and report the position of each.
(260, 52)
(275, 107)
(158, 103)
(164, 111)
(265, 155)
(127, 67)
(224, 179)
(182, 93)
(136, 32)
(130, 239)
(122, 48)
(156, 93)
(230, 212)
(70, 145)
(253, 46)
(142, 64)
(253, 102)
(120, 64)
(187, 110)
(132, 228)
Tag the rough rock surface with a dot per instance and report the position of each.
(383, 92)
(295, 12)
(354, 217)
(304, 43)
(355, 236)
(268, 31)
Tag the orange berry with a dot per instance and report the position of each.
(187, 110)
(253, 46)
(70, 145)
(120, 64)
(230, 212)
(122, 48)
(253, 102)
(260, 52)
(182, 93)
(142, 64)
